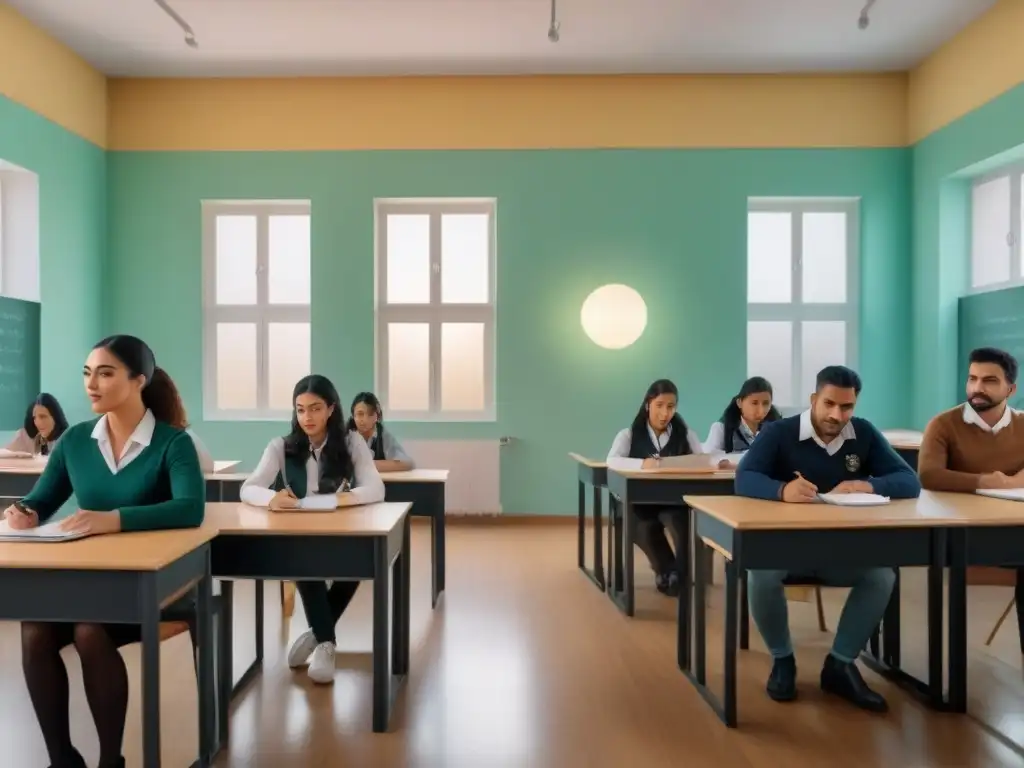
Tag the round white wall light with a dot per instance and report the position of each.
(614, 316)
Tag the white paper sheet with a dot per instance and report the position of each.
(698, 461)
(321, 502)
(50, 532)
(1011, 494)
(5, 454)
(854, 499)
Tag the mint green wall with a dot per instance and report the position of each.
(72, 235)
(942, 163)
(671, 223)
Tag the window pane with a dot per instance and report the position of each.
(822, 343)
(288, 353)
(408, 259)
(288, 259)
(462, 366)
(408, 366)
(770, 354)
(823, 266)
(235, 256)
(236, 366)
(769, 258)
(990, 227)
(465, 258)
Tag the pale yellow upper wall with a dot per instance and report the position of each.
(43, 75)
(983, 61)
(508, 112)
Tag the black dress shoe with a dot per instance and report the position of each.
(667, 583)
(117, 763)
(72, 760)
(782, 681)
(844, 680)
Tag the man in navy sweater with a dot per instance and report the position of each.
(824, 449)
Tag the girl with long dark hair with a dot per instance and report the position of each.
(44, 424)
(743, 418)
(367, 419)
(657, 431)
(318, 459)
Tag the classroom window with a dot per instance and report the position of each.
(435, 316)
(802, 280)
(256, 308)
(996, 224)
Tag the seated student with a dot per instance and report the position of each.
(824, 449)
(317, 458)
(979, 444)
(44, 424)
(368, 420)
(743, 418)
(657, 431)
(130, 470)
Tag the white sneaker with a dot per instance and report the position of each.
(299, 653)
(321, 668)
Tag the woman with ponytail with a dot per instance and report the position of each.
(132, 469)
(743, 418)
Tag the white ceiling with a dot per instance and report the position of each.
(407, 37)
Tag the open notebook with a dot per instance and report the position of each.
(853, 499)
(50, 532)
(698, 462)
(1011, 494)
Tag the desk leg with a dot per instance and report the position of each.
(935, 650)
(400, 607)
(614, 583)
(260, 607)
(892, 637)
(149, 609)
(629, 520)
(581, 526)
(958, 622)
(381, 633)
(683, 550)
(226, 656)
(598, 525)
(437, 537)
(207, 697)
(731, 615)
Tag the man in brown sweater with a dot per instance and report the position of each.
(979, 444)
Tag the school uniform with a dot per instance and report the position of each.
(385, 446)
(738, 442)
(37, 446)
(323, 606)
(629, 449)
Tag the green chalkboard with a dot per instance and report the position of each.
(19, 360)
(993, 319)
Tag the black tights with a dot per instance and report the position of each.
(103, 674)
(651, 524)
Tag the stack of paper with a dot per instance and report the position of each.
(5, 454)
(49, 532)
(854, 499)
(696, 462)
(1011, 494)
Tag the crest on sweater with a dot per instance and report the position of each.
(852, 462)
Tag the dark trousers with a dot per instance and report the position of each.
(1018, 592)
(650, 536)
(324, 606)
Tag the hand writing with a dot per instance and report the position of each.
(18, 520)
(799, 491)
(651, 463)
(997, 480)
(854, 486)
(283, 500)
(92, 523)
(346, 499)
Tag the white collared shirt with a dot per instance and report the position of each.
(971, 417)
(718, 442)
(369, 488)
(807, 432)
(618, 456)
(133, 447)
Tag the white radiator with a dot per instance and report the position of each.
(474, 467)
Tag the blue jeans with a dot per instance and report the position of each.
(863, 610)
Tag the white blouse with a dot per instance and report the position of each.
(618, 456)
(368, 489)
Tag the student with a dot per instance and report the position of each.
(319, 457)
(44, 424)
(368, 420)
(979, 444)
(130, 470)
(743, 418)
(657, 431)
(824, 449)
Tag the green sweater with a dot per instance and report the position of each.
(162, 487)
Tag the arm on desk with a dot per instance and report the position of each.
(753, 474)
(256, 489)
(187, 505)
(618, 456)
(889, 474)
(395, 457)
(21, 443)
(53, 487)
(933, 463)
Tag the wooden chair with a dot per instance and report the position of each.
(999, 623)
(288, 589)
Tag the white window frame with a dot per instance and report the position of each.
(797, 312)
(435, 313)
(262, 313)
(1015, 173)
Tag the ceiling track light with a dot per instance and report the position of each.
(554, 27)
(865, 20)
(190, 36)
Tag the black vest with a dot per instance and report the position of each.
(642, 447)
(295, 471)
(377, 443)
(736, 442)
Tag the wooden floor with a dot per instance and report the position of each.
(525, 663)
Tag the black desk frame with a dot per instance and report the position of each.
(596, 478)
(126, 597)
(382, 559)
(806, 550)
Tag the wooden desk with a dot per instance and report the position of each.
(652, 487)
(594, 474)
(121, 578)
(906, 442)
(424, 489)
(358, 543)
(803, 538)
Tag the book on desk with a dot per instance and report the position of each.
(49, 533)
